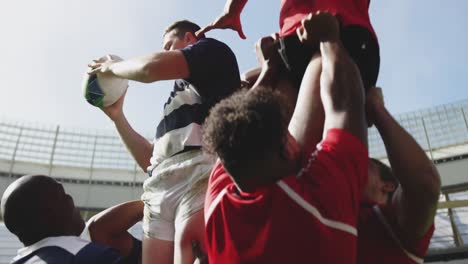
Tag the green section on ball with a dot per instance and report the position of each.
(93, 92)
(102, 90)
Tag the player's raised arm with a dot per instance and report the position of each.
(166, 65)
(415, 200)
(342, 91)
(140, 148)
(229, 18)
(341, 88)
(110, 227)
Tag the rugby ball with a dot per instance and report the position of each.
(102, 90)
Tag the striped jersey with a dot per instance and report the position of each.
(303, 218)
(214, 74)
(67, 249)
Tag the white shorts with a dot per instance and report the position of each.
(174, 192)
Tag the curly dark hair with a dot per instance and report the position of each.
(244, 127)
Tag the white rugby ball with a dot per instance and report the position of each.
(103, 90)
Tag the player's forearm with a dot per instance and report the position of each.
(344, 94)
(110, 227)
(415, 201)
(234, 6)
(133, 69)
(341, 91)
(409, 162)
(140, 148)
(251, 76)
(168, 65)
(105, 224)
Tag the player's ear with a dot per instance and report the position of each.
(189, 37)
(389, 187)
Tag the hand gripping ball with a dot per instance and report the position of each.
(102, 90)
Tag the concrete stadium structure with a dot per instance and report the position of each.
(98, 172)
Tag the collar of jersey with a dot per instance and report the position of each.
(72, 244)
(247, 197)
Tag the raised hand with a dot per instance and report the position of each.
(228, 20)
(319, 27)
(103, 64)
(115, 110)
(374, 102)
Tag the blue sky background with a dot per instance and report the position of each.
(46, 45)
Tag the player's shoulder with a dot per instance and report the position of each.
(218, 171)
(97, 253)
(342, 139)
(67, 249)
(212, 45)
(210, 41)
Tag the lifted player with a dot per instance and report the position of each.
(357, 33)
(205, 71)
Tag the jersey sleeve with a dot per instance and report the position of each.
(335, 175)
(347, 154)
(219, 180)
(417, 247)
(213, 68)
(95, 253)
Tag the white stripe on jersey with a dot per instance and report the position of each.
(214, 204)
(174, 141)
(189, 96)
(384, 221)
(314, 211)
(72, 244)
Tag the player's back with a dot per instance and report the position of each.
(278, 231)
(274, 225)
(308, 217)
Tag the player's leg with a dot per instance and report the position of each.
(189, 217)
(307, 123)
(158, 230)
(163, 192)
(307, 126)
(189, 234)
(363, 48)
(158, 237)
(157, 251)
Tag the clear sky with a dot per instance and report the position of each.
(46, 45)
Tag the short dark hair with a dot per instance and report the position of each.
(385, 172)
(181, 27)
(245, 127)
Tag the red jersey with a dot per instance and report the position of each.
(304, 217)
(379, 241)
(350, 12)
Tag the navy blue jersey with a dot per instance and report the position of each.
(67, 249)
(214, 75)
